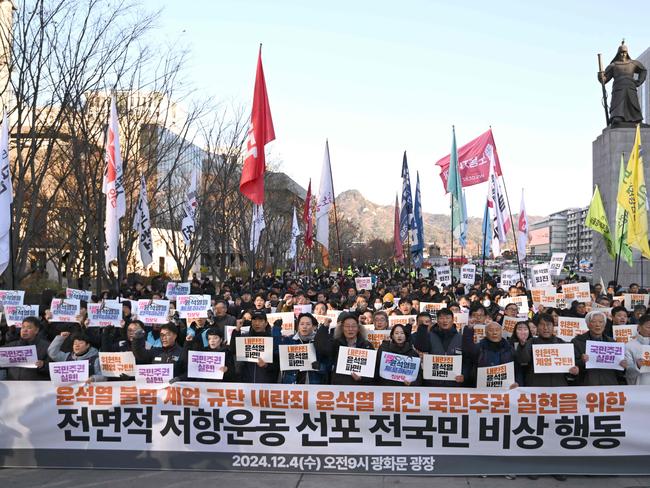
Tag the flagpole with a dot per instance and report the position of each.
(617, 264)
(451, 220)
(336, 218)
(512, 224)
(12, 262)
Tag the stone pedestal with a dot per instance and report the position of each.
(607, 150)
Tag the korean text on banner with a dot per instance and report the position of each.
(468, 274)
(297, 357)
(541, 275)
(577, 292)
(556, 263)
(206, 364)
(78, 294)
(115, 364)
(397, 367)
(154, 374)
(101, 315)
(193, 306)
(153, 311)
(569, 327)
(18, 357)
(553, 358)
(624, 333)
(376, 337)
(633, 299)
(175, 289)
(604, 355)
(65, 310)
(69, 372)
(363, 283)
(15, 314)
(12, 297)
(501, 376)
(288, 320)
(356, 360)
(442, 368)
(251, 349)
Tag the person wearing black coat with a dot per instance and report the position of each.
(261, 371)
(170, 352)
(215, 344)
(29, 336)
(399, 343)
(348, 333)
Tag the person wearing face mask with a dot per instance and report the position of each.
(596, 322)
(634, 354)
(399, 343)
(305, 334)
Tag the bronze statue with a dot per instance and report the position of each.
(624, 108)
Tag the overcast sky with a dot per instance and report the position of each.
(381, 77)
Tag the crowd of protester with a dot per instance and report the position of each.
(245, 305)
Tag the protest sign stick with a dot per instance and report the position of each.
(617, 265)
(336, 224)
(11, 247)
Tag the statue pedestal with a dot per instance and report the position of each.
(607, 150)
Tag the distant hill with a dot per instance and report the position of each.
(376, 222)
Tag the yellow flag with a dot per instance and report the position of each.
(597, 220)
(632, 197)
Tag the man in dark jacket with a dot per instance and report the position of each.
(170, 352)
(29, 336)
(596, 322)
(524, 355)
(261, 371)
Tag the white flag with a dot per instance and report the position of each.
(113, 188)
(498, 211)
(522, 230)
(257, 226)
(324, 201)
(295, 232)
(6, 196)
(142, 225)
(191, 204)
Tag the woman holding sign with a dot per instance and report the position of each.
(404, 360)
(348, 333)
(305, 334)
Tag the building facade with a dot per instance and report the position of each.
(549, 235)
(579, 237)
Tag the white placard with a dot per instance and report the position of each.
(18, 357)
(193, 306)
(402, 319)
(206, 365)
(509, 278)
(114, 364)
(645, 359)
(479, 333)
(633, 299)
(12, 297)
(100, 315)
(521, 302)
(624, 333)
(576, 292)
(356, 360)
(468, 274)
(376, 337)
(84, 295)
(175, 289)
(544, 296)
(499, 377)
(363, 283)
(569, 327)
(461, 319)
(69, 372)
(541, 275)
(553, 358)
(154, 374)
(15, 314)
(443, 368)
(432, 307)
(605, 355)
(398, 367)
(288, 322)
(297, 357)
(153, 311)
(509, 325)
(305, 308)
(443, 275)
(250, 349)
(556, 263)
(65, 310)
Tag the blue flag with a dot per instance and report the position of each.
(487, 232)
(406, 213)
(417, 234)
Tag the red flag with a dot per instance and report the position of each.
(473, 161)
(398, 249)
(260, 133)
(306, 218)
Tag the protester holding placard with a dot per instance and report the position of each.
(30, 336)
(120, 339)
(493, 350)
(81, 351)
(596, 322)
(398, 344)
(260, 371)
(168, 352)
(637, 355)
(215, 343)
(520, 336)
(348, 333)
(524, 356)
(305, 334)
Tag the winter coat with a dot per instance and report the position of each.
(327, 346)
(31, 374)
(632, 354)
(196, 345)
(524, 357)
(592, 377)
(159, 355)
(484, 354)
(249, 372)
(91, 355)
(431, 342)
(405, 349)
(321, 368)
